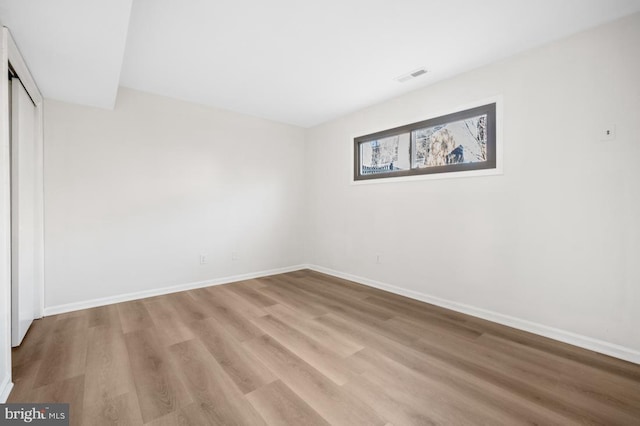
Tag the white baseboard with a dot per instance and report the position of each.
(585, 342)
(76, 306)
(5, 390)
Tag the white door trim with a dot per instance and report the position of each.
(20, 67)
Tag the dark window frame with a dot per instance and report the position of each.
(490, 163)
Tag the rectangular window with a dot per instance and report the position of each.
(462, 141)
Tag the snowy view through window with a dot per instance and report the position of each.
(386, 155)
(463, 141)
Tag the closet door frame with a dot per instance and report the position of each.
(20, 68)
(10, 57)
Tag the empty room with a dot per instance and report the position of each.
(319, 213)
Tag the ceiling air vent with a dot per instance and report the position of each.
(413, 74)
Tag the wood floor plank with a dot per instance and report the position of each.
(238, 325)
(134, 316)
(616, 404)
(237, 302)
(616, 383)
(254, 284)
(158, 388)
(169, 324)
(352, 308)
(249, 293)
(436, 397)
(312, 351)
(104, 316)
(246, 371)
(325, 288)
(596, 360)
(300, 303)
(108, 375)
(121, 410)
(388, 328)
(190, 415)
(24, 376)
(390, 406)
(35, 342)
(217, 395)
(401, 303)
(331, 280)
(334, 404)
(66, 351)
(69, 391)
(446, 367)
(422, 316)
(513, 381)
(419, 327)
(280, 406)
(335, 342)
(188, 306)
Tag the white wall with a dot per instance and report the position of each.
(555, 240)
(133, 196)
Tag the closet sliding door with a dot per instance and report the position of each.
(25, 202)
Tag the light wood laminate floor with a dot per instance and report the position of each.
(304, 348)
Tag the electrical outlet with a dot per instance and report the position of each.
(378, 259)
(235, 256)
(204, 259)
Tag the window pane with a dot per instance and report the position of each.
(387, 155)
(463, 141)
